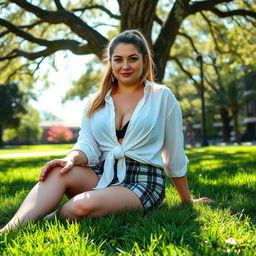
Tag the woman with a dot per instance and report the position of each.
(130, 131)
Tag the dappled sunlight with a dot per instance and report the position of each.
(81, 196)
(226, 175)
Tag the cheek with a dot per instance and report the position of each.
(115, 67)
(139, 67)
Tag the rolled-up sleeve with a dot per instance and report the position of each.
(174, 158)
(86, 141)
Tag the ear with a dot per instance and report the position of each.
(145, 60)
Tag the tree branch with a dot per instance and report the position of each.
(53, 46)
(212, 86)
(8, 79)
(24, 26)
(216, 41)
(238, 12)
(186, 72)
(204, 5)
(158, 20)
(95, 40)
(190, 40)
(58, 4)
(100, 7)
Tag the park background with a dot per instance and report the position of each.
(204, 51)
(60, 65)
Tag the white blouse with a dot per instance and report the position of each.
(154, 136)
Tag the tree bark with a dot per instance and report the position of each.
(135, 14)
(225, 124)
(1, 136)
(234, 111)
(138, 15)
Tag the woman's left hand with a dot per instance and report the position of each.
(202, 200)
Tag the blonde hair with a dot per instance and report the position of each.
(136, 38)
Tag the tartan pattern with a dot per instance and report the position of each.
(145, 180)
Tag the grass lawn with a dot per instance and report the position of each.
(35, 148)
(226, 227)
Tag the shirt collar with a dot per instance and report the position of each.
(108, 97)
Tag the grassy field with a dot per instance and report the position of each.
(226, 227)
(34, 148)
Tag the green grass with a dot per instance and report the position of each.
(34, 148)
(226, 227)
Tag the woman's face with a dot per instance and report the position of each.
(127, 64)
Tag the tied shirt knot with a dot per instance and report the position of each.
(118, 152)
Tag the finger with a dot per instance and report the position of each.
(206, 200)
(50, 165)
(67, 167)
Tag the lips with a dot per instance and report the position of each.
(126, 74)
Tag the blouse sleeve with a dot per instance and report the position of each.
(86, 141)
(174, 158)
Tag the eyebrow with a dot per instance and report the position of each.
(134, 54)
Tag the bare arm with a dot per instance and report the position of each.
(181, 185)
(77, 156)
(74, 157)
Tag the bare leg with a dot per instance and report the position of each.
(100, 202)
(46, 195)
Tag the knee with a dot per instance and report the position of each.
(83, 208)
(55, 172)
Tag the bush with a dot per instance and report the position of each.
(59, 134)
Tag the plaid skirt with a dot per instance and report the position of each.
(145, 180)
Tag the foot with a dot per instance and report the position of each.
(50, 216)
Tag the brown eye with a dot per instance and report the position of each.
(133, 59)
(118, 60)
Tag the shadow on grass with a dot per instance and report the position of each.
(29, 162)
(230, 183)
(134, 232)
(177, 224)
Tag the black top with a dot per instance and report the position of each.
(120, 133)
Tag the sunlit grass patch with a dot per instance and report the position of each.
(35, 148)
(226, 227)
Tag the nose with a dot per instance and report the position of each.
(126, 64)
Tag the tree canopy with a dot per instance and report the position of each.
(37, 30)
(13, 104)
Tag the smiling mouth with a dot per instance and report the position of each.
(126, 74)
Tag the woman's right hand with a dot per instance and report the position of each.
(66, 165)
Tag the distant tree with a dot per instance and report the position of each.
(59, 134)
(28, 131)
(48, 116)
(36, 30)
(13, 104)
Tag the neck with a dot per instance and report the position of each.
(121, 88)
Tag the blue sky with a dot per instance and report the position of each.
(49, 99)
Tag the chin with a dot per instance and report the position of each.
(129, 81)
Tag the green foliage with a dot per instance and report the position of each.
(28, 130)
(48, 116)
(226, 227)
(87, 83)
(249, 79)
(13, 102)
(34, 148)
(9, 134)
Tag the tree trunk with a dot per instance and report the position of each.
(1, 136)
(138, 15)
(225, 124)
(234, 111)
